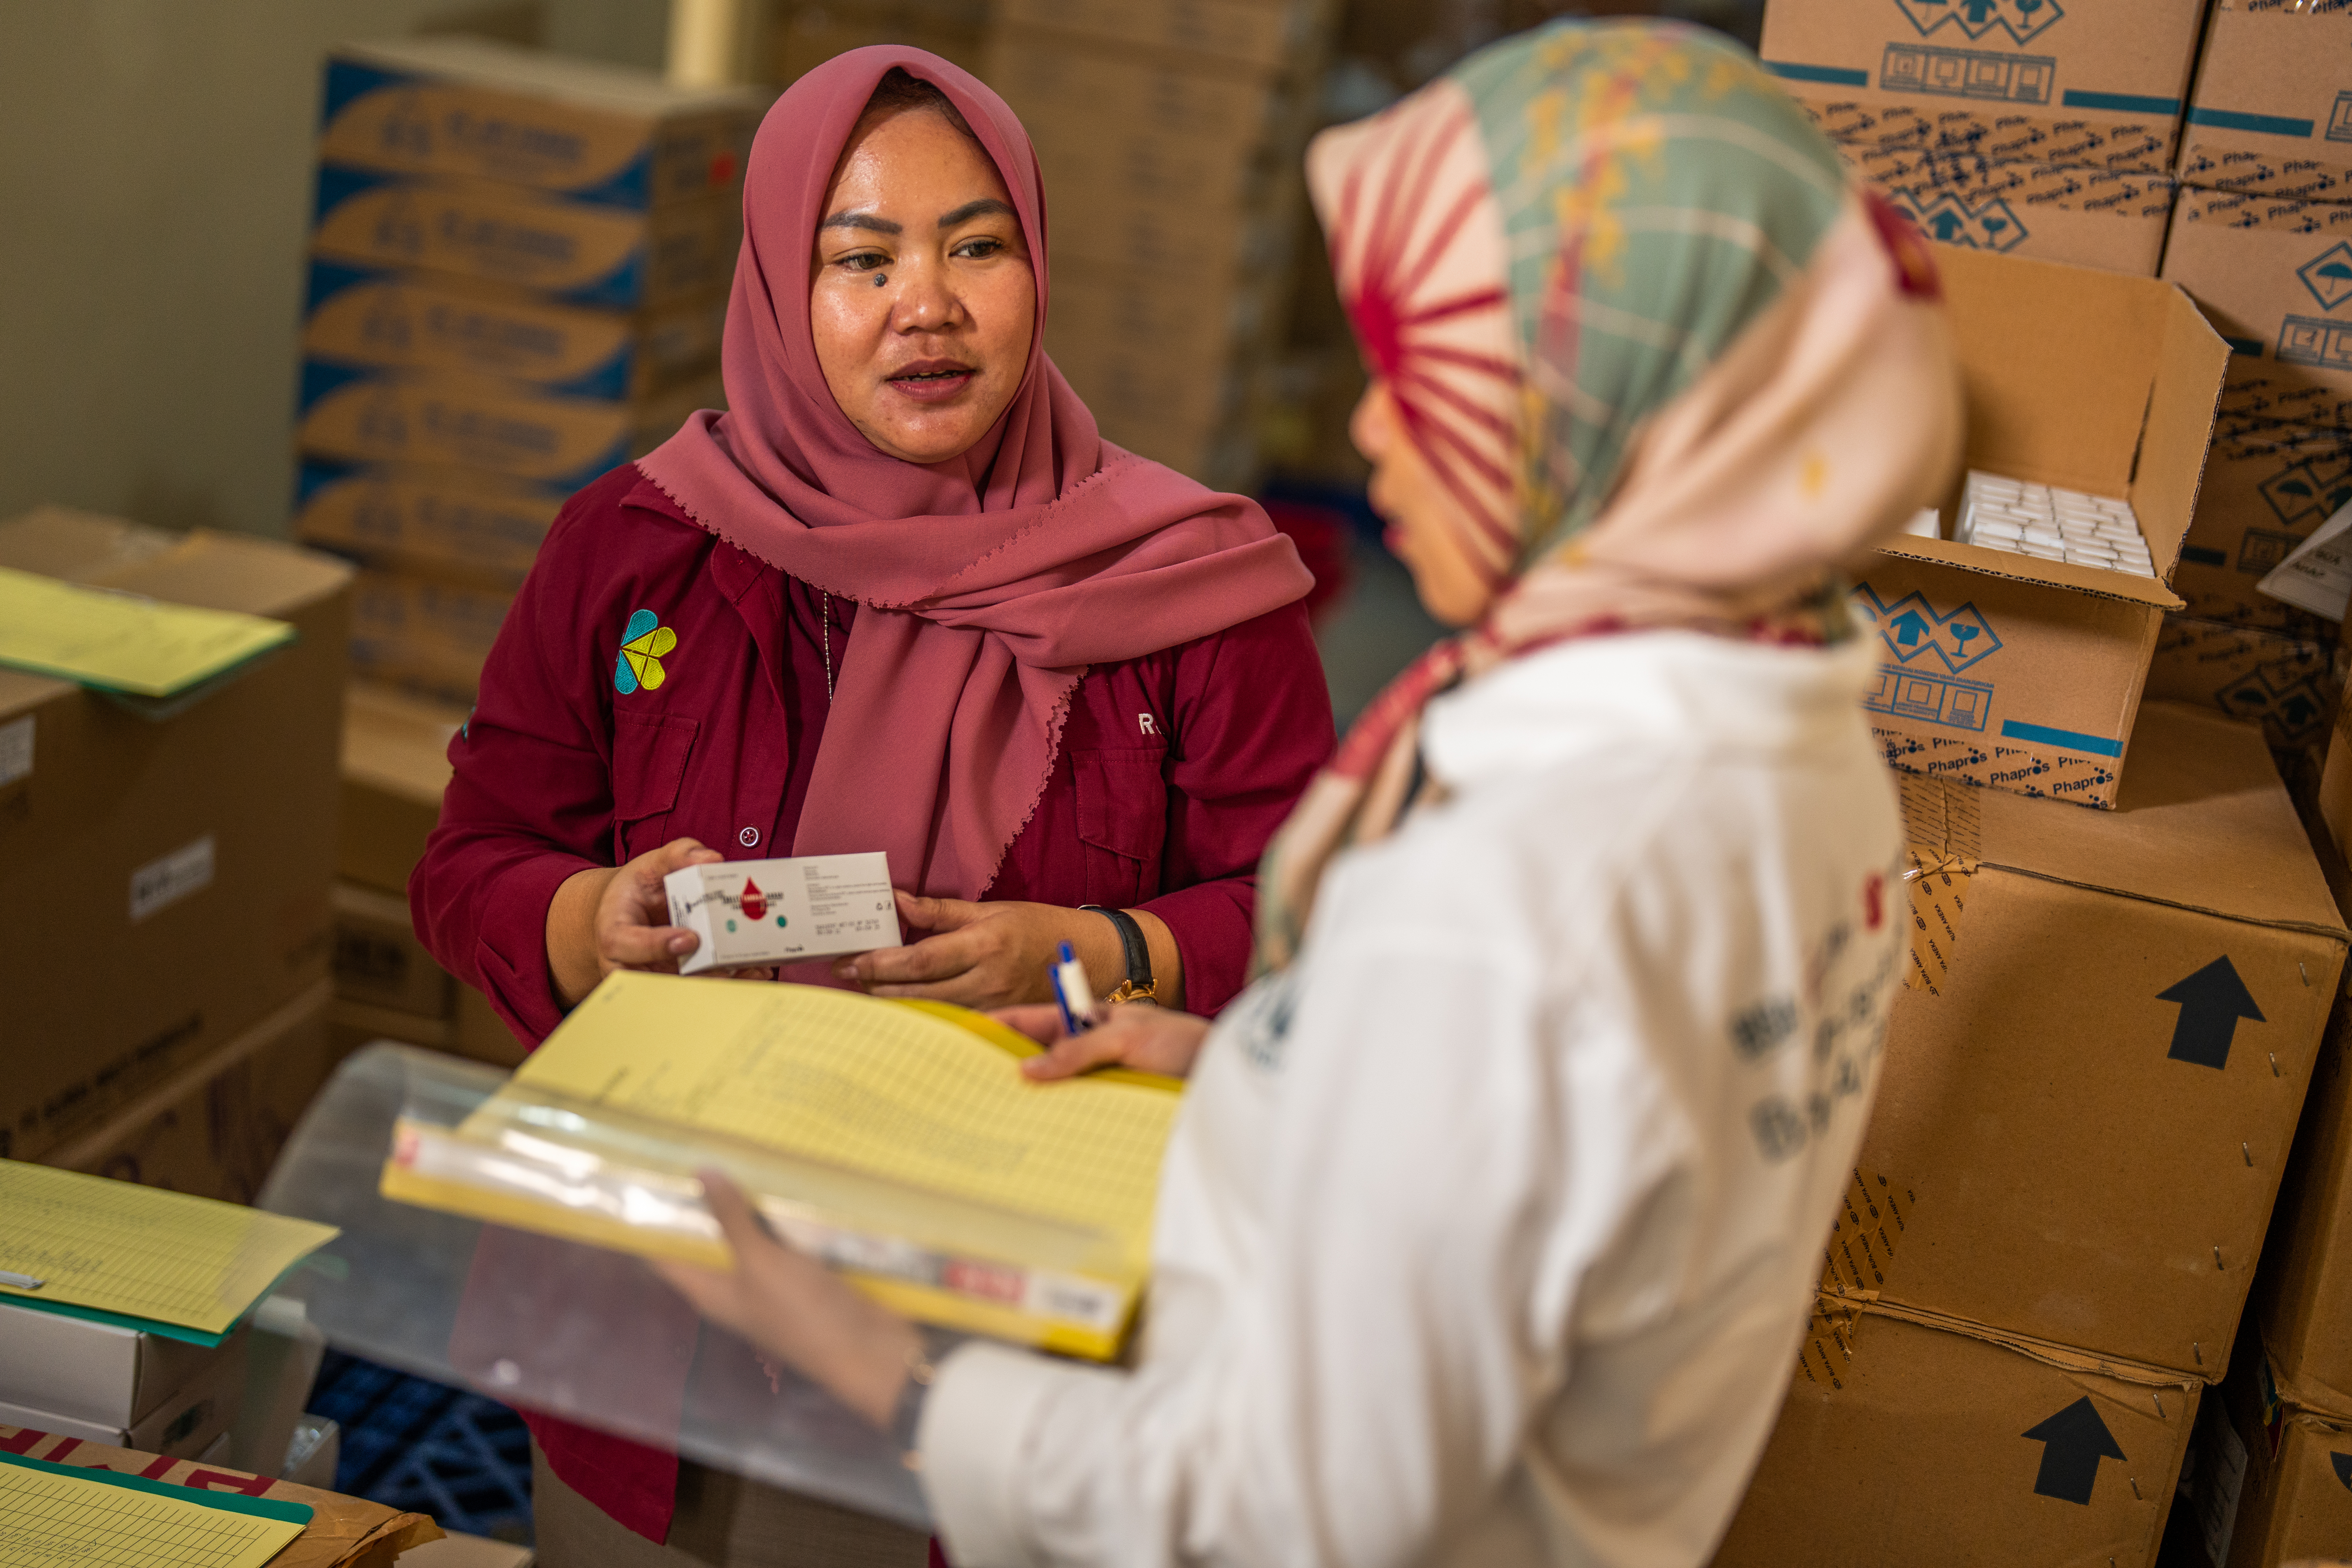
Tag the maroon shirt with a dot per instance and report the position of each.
(1173, 771)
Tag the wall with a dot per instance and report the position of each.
(154, 179)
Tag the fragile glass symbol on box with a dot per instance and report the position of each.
(781, 911)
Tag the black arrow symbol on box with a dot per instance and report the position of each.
(2212, 1001)
(2072, 1443)
(2343, 1463)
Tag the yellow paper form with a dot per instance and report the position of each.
(53, 1517)
(120, 642)
(142, 1251)
(882, 1088)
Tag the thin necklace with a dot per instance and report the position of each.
(824, 639)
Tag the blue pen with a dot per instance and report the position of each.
(1068, 979)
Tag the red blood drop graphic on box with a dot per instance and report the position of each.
(755, 902)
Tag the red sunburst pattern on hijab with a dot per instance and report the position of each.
(1417, 248)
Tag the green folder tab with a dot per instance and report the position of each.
(121, 642)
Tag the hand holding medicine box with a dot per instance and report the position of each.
(780, 911)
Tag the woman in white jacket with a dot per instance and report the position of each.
(1489, 1227)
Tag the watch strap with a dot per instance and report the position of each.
(1138, 953)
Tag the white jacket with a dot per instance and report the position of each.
(1488, 1232)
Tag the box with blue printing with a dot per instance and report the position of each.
(473, 107)
(422, 321)
(358, 414)
(572, 252)
(2272, 110)
(2097, 83)
(2008, 669)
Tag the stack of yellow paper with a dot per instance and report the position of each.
(898, 1140)
(121, 642)
(163, 1261)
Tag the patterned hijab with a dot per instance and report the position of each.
(1674, 369)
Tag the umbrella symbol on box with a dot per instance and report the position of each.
(2328, 274)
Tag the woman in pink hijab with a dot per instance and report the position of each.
(900, 596)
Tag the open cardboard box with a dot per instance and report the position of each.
(1998, 669)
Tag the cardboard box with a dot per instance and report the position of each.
(1146, 356)
(1268, 34)
(1218, 115)
(2001, 670)
(343, 1532)
(461, 105)
(396, 764)
(2332, 802)
(183, 1423)
(2265, 490)
(2098, 84)
(108, 996)
(358, 414)
(378, 959)
(425, 637)
(459, 523)
(473, 1030)
(2272, 1481)
(355, 1023)
(419, 320)
(214, 1128)
(92, 1371)
(1911, 1440)
(2274, 277)
(2288, 686)
(2114, 218)
(585, 253)
(2090, 1086)
(806, 36)
(2304, 1298)
(481, 1034)
(2272, 109)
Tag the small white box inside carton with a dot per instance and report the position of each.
(781, 911)
(2023, 674)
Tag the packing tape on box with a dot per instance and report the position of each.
(574, 1331)
(1943, 838)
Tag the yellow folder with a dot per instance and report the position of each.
(898, 1140)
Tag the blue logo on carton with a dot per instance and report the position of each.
(2312, 490)
(2328, 274)
(1992, 225)
(1915, 634)
(2021, 19)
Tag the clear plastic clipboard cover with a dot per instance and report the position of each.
(586, 1333)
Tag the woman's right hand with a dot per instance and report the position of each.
(618, 918)
(1136, 1035)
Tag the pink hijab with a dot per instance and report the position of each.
(987, 583)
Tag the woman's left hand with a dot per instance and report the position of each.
(797, 1311)
(987, 954)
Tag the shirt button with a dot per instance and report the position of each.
(749, 837)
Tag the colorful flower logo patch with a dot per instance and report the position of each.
(643, 643)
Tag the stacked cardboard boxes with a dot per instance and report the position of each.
(2262, 237)
(2090, 1084)
(2018, 126)
(808, 34)
(518, 277)
(2086, 1105)
(166, 1014)
(395, 764)
(2271, 1483)
(1170, 133)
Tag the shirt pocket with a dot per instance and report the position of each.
(1122, 823)
(649, 756)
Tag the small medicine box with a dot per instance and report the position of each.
(783, 912)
